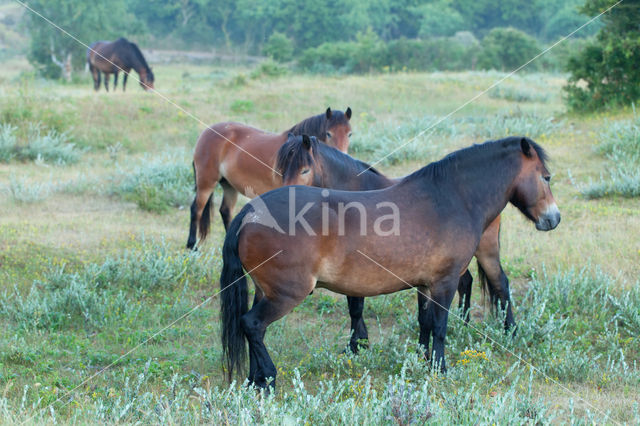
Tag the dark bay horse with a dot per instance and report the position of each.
(111, 57)
(242, 158)
(421, 232)
(304, 161)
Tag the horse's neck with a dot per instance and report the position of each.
(337, 176)
(299, 129)
(484, 189)
(138, 64)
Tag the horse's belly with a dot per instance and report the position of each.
(362, 288)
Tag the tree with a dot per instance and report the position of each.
(605, 73)
(56, 54)
(279, 47)
(506, 49)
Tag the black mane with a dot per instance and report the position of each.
(139, 57)
(319, 124)
(135, 55)
(292, 156)
(448, 166)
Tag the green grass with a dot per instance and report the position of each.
(92, 261)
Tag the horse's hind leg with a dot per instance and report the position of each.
(115, 80)
(254, 323)
(106, 81)
(95, 73)
(200, 214)
(229, 198)
(359, 333)
(124, 81)
(488, 257)
(464, 294)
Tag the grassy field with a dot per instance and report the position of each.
(94, 196)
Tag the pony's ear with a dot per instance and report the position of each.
(526, 147)
(348, 113)
(328, 113)
(306, 142)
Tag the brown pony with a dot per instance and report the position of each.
(304, 161)
(241, 159)
(111, 57)
(295, 238)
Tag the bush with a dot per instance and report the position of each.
(29, 192)
(50, 147)
(269, 68)
(279, 47)
(621, 145)
(369, 54)
(605, 74)
(506, 49)
(156, 185)
(8, 142)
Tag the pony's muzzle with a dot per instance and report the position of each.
(549, 219)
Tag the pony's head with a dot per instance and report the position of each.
(146, 79)
(331, 127)
(532, 193)
(338, 129)
(296, 161)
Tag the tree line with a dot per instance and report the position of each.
(363, 36)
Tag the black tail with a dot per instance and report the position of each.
(205, 219)
(233, 300)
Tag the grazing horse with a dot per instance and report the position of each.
(342, 241)
(111, 57)
(241, 159)
(304, 161)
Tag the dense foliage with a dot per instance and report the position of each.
(286, 29)
(55, 53)
(605, 73)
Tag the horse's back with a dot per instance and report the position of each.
(241, 154)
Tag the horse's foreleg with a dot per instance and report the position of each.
(106, 81)
(124, 81)
(229, 198)
(442, 294)
(115, 81)
(425, 319)
(359, 333)
(464, 294)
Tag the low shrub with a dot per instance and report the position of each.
(24, 192)
(8, 142)
(158, 184)
(620, 144)
(50, 147)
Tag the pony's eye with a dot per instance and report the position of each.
(547, 178)
(328, 135)
(305, 171)
(349, 135)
